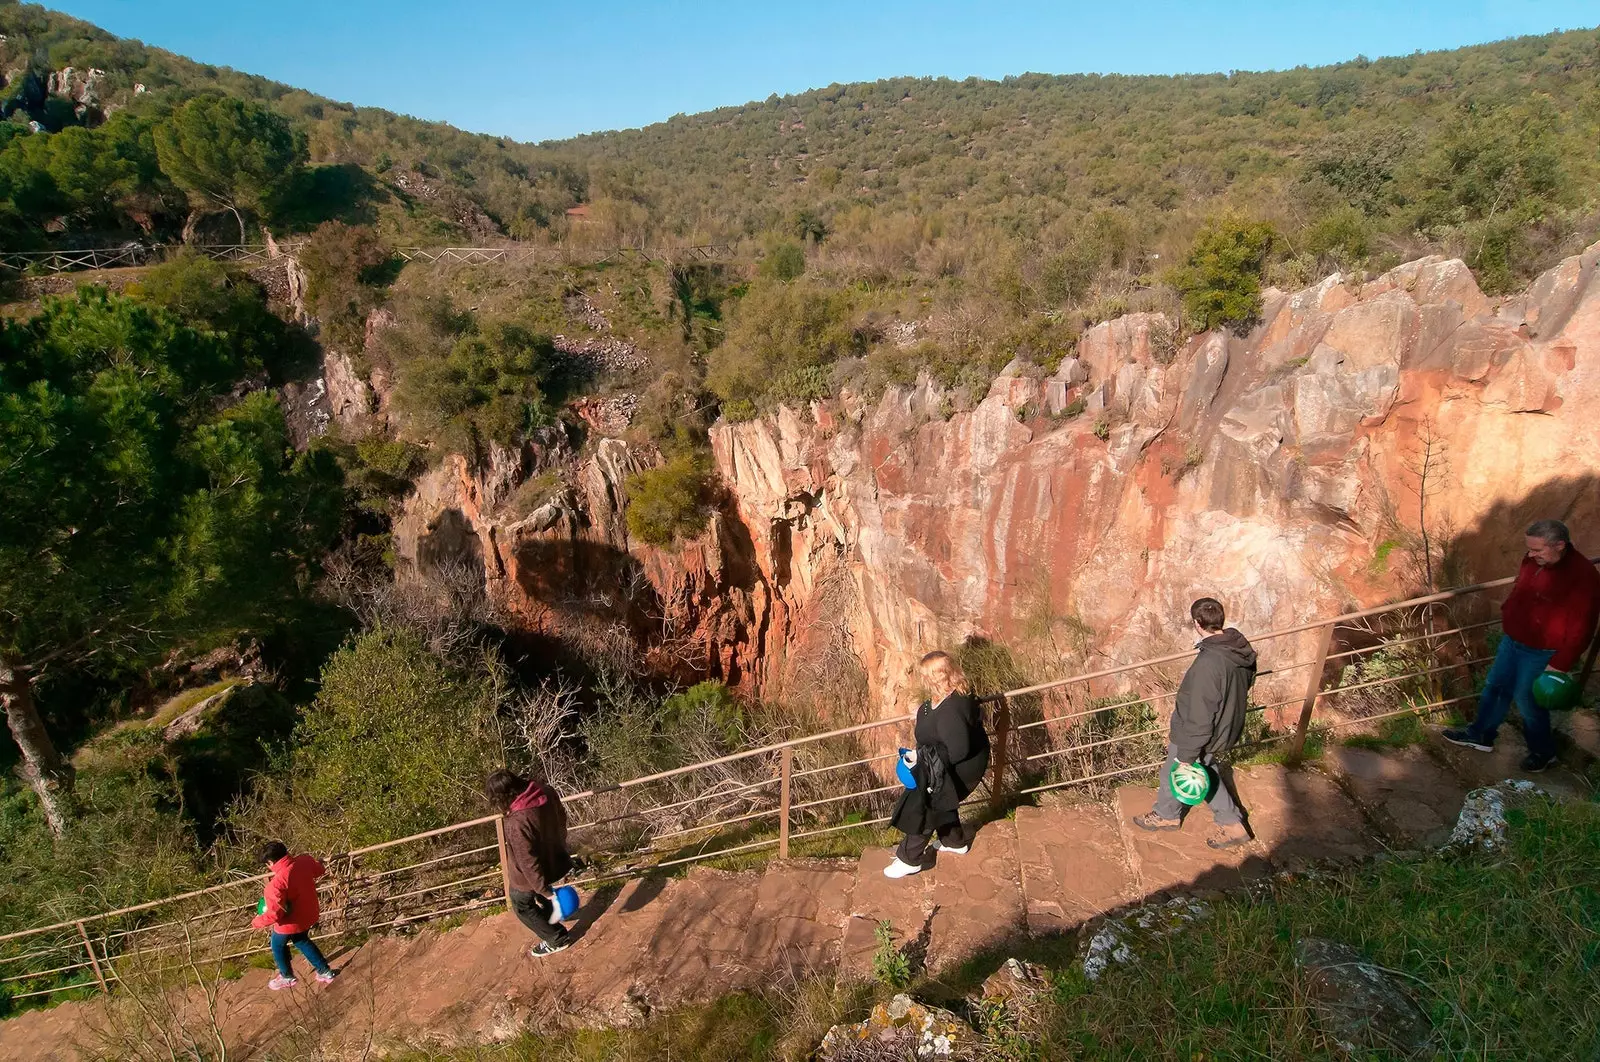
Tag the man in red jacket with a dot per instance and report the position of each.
(290, 910)
(1547, 623)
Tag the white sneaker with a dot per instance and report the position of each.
(963, 850)
(898, 869)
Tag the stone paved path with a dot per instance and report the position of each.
(653, 944)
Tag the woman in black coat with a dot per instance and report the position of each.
(951, 757)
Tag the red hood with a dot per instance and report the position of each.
(532, 797)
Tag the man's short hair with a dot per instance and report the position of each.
(1550, 531)
(1207, 612)
(273, 851)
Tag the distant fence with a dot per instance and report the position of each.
(1411, 658)
(138, 254)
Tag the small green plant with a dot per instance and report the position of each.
(1074, 408)
(1221, 280)
(1102, 427)
(891, 966)
(1380, 556)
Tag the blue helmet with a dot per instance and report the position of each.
(565, 904)
(902, 771)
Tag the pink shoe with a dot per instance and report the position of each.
(280, 982)
(327, 978)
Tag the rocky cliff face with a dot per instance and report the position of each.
(1083, 510)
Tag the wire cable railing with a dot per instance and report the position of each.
(1082, 730)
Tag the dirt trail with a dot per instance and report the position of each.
(657, 944)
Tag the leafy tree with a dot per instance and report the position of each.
(396, 742)
(346, 268)
(138, 516)
(490, 385)
(785, 262)
(209, 296)
(778, 329)
(229, 154)
(671, 501)
(1221, 280)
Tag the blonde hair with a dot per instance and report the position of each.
(958, 678)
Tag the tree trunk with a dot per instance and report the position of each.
(49, 774)
(190, 224)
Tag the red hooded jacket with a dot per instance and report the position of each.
(292, 896)
(1554, 607)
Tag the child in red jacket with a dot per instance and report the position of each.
(290, 910)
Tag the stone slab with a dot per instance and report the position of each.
(905, 903)
(977, 897)
(700, 937)
(1073, 864)
(1476, 768)
(798, 922)
(1301, 816)
(1413, 799)
(1179, 861)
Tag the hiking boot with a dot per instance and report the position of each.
(1230, 836)
(940, 847)
(1155, 823)
(1467, 740)
(281, 982)
(326, 977)
(1533, 764)
(543, 948)
(900, 869)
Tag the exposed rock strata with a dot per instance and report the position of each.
(1269, 470)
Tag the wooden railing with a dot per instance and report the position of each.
(1085, 729)
(138, 254)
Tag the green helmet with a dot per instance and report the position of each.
(1191, 782)
(1555, 691)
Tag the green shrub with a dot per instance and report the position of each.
(785, 262)
(1221, 280)
(776, 330)
(490, 384)
(671, 501)
(710, 707)
(396, 742)
(346, 268)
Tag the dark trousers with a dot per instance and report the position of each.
(307, 946)
(952, 834)
(533, 911)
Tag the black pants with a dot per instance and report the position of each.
(533, 911)
(914, 849)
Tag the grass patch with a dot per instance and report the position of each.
(1396, 732)
(188, 699)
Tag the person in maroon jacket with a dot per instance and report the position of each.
(1547, 623)
(536, 854)
(290, 910)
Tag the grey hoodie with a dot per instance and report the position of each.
(1208, 717)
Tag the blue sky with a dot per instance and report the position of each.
(536, 70)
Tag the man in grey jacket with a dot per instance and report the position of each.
(1207, 721)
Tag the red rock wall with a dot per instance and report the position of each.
(1267, 470)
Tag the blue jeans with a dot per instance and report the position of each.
(1511, 678)
(308, 948)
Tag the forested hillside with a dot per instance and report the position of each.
(202, 643)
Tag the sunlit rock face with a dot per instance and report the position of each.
(1276, 471)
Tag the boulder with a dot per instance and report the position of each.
(900, 1029)
(1117, 940)
(1359, 1005)
(1482, 822)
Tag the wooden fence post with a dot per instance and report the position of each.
(505, 865)
(1313, 691)
(786, 770)
(94, 960)
(1002, 748)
